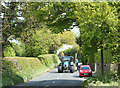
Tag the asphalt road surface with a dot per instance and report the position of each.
(53, 79)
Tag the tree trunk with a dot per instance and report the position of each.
(119, 70)
(102, 62)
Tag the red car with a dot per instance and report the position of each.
(85, 70)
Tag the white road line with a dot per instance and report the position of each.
(46, 86)
(58, 78)
(61, 74)
(53, 82)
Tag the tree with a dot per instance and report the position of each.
(40, 43)
(56, 16)
(71, 51)
(44, 41)
(9, 21)
(68, 37)
(18, 48)
(98, 26)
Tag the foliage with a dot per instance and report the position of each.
(26, 68)
(98, 26)
(38, 25)
(68, 37)
(11, 79)
(106, 80)
(50, 14)
(8, 67)
(98, 23)
(116, 53)
(96, 57)
(8, 51)
(71, 51)
(48, 59)
(10, 21)
(41, 41)
(19, 49)
(44, 42)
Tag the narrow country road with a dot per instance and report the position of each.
(53, 79)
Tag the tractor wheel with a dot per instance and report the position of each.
(71, 69)
(60, 70)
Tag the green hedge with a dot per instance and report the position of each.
(21, 69)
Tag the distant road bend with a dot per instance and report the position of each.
(53, 79)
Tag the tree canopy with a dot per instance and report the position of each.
(98, 23)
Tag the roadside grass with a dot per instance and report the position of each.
(16, 70)
(106, 80)
(23, 76)
(11, 79)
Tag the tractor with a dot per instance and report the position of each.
(68, 63)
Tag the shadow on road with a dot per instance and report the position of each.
(65, 71)
(86, 77)
(52, 84)
(53, 72)
(76, 76)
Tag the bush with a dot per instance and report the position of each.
(48, 59)
(106, 80)
(19, 49)
(8, 51)
(22, 69)
(40, 44)
(8, 67)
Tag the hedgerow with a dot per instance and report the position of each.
(21, 69)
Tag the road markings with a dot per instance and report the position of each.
(53, 82)
(58, 78)
(46, 86)
(61, 74)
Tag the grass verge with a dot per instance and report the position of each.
(106, 80)
(17, 70)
